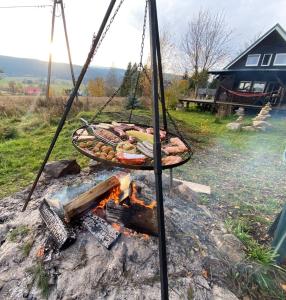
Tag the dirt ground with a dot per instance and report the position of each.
(247, 183)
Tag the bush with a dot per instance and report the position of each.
(132, 102)
(8, 132)
(177, 89)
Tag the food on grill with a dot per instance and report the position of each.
(146, 150)
(162, 133)
(85, 138)
(82, 132)
(103, 151)
(175, 146)
(170, 160)
(131, 159)
(104, 126)
(141, 136)
(126, 147)
(83, 145)
(138, 128)
(128, 144)
(122, 128)
(107, 136)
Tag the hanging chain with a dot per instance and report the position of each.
(140, 66)
(107, 27)
(133, 72)
(167, 111)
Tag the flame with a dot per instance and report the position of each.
(121, 229)
(114, 194)
(135, 200)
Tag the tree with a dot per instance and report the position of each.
(96, 88)
(175, 90)
(205, 43)
(111, 82)
(126, 83)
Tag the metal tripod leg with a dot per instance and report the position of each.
(157, 153)
(71, 99)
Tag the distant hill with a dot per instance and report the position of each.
(26, 67)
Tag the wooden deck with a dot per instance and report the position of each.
(211, 102)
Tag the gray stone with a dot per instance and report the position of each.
(261, 124)
(249, 128)
(220, 293)
(234, 126)
(185, 192)
(229, 245)
(61, 168)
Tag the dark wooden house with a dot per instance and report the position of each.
(257, 75)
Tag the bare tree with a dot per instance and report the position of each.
(248, 43)
(206, 41)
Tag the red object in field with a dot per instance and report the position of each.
(32, 90)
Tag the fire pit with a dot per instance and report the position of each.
(113, 206)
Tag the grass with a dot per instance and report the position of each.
(27, 247)
(18, 233)
(255, 252)
(41, 277)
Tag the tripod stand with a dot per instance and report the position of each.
(61, 5)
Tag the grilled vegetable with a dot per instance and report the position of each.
(141, 136)
(146, 151)
(126, 147)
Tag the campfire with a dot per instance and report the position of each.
(112, 207)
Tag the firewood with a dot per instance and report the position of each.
(143, 220)
(89, 199)
(100, 229)
(61, 235)
(116, 213)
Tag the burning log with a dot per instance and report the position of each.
(100, 229)
(94, 196)
(143, 220)
(59, 232)
(117, 213)
(134, 214)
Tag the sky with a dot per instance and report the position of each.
(25, 32)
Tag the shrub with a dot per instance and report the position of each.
(8, 132)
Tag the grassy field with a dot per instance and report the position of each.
(244, 169)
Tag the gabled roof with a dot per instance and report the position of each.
(277, 28)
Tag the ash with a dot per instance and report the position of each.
(199, 251)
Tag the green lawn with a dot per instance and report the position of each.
(24, 142)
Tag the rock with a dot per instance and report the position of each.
(61, 168)
(234, 126)
(229, 245)
(249, 128)
(184, 191)
(261, 124)
(3, 232)
(220, 293)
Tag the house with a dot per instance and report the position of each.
(257, 75)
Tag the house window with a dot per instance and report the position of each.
(244, 86)
(258, 87)
(280, 59)
(252, 60)
(266, 60)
